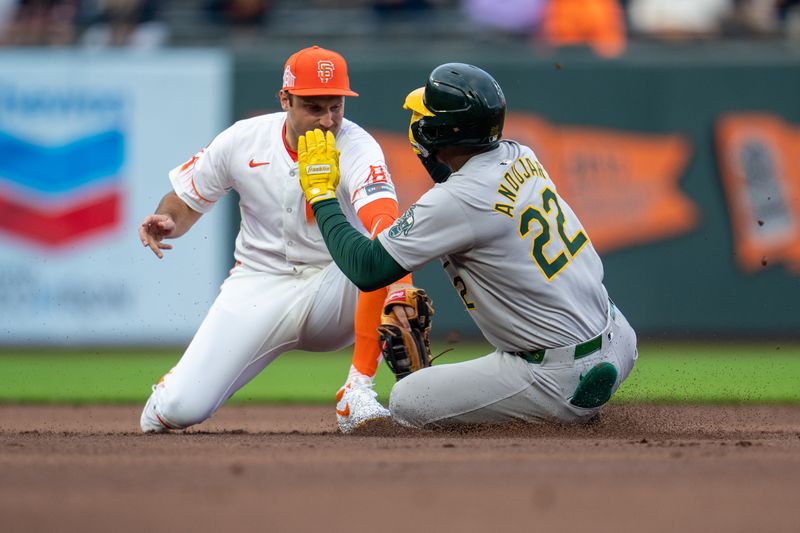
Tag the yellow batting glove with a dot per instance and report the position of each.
(318, 161)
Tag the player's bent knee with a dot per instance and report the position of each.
(181, 413)
(406, 415)
(406, 406)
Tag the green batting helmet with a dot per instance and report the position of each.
(461, 105)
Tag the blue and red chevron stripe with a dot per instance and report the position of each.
(54, 195)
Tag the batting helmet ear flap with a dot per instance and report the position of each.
(414, 103)
(420, 143)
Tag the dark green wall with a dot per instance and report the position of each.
(685, 286)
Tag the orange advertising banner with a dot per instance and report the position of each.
(623, 185)
(759, 158)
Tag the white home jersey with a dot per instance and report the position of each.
(278, 233)
(516, 253)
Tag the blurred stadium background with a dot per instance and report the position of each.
(671, 126)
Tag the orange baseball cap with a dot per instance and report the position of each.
(315, 71)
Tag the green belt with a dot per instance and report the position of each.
(581, 350)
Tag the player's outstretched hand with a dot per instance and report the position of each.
(153, 230)
(318, 162)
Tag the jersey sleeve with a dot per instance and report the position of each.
(364, 174)
(378, 215)
(204, 178)
(436, 225)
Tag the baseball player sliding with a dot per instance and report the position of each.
(515, 252)
(283, 292)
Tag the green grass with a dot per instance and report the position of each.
(694, 373)
(666, 373)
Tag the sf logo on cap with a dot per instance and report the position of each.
(325, 70)
(288, 77)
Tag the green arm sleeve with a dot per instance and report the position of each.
(365, 262)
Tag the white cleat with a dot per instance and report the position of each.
(357, 406)
(150, 422)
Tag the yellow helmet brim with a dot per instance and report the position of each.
(414, 102)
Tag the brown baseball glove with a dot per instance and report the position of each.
(406, 348)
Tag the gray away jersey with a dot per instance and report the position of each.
(514, 250)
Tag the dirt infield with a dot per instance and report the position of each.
(635, 469)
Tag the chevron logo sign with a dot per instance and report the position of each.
(54, 195)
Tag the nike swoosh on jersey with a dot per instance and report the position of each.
(253, 164)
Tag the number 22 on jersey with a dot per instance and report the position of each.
(544, 216)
